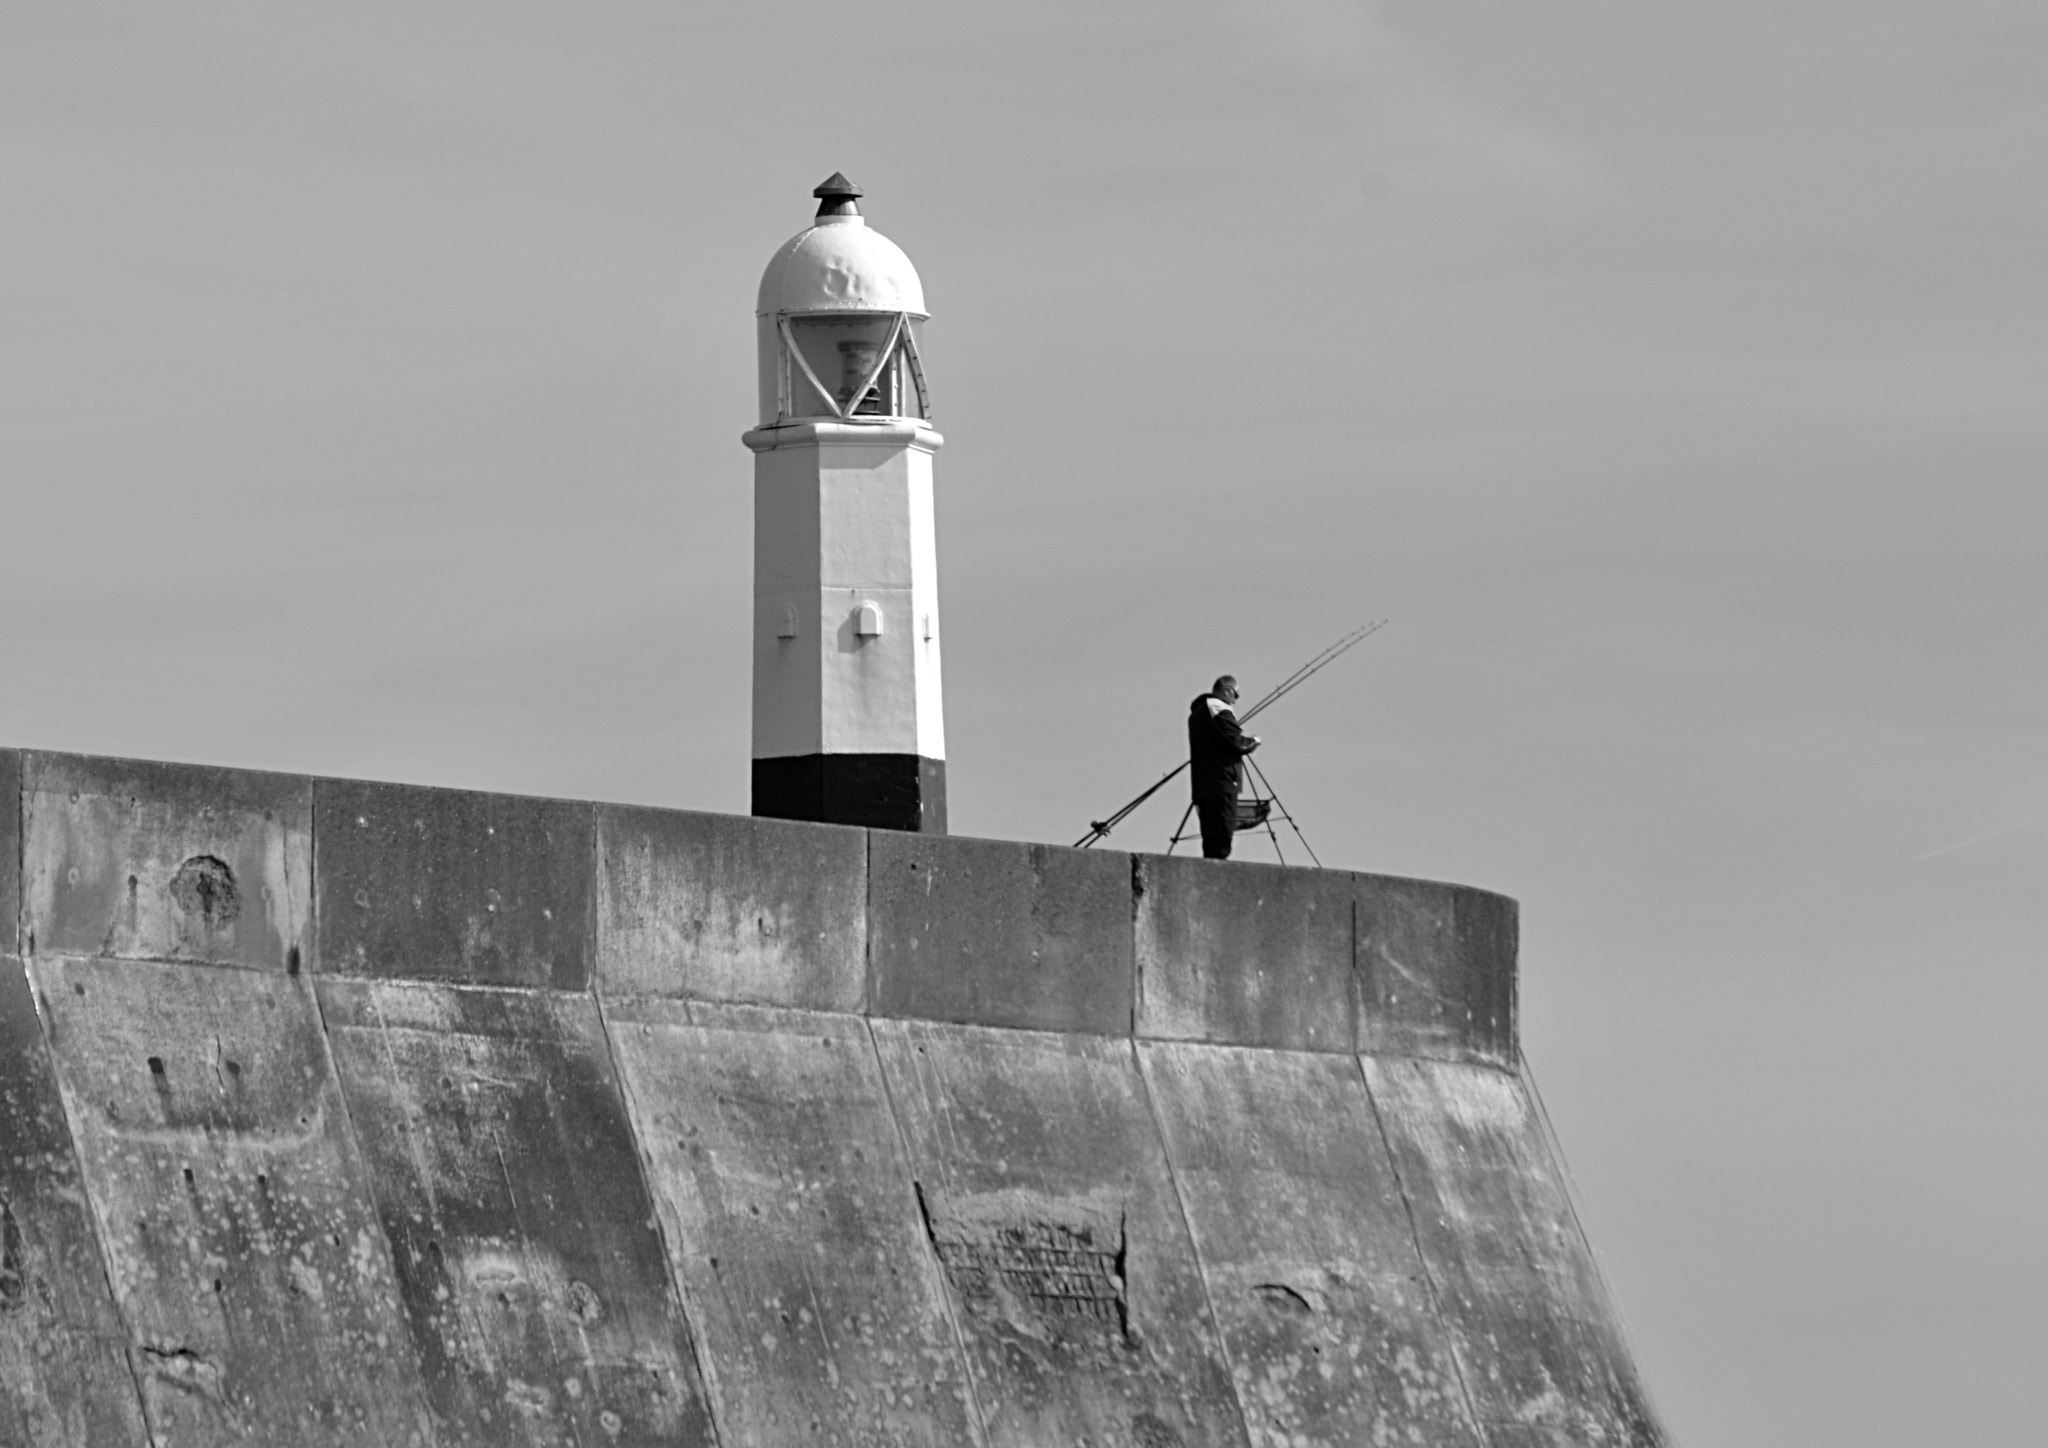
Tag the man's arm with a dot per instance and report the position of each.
(1224, 722)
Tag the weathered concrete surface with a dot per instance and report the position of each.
(865, 1154)
(1305, 1242)
(731, 908)
(64, 1380)
(231, 1209)
(506, 1179)
(1534, 1332)
(1000, 934)
(1436, 966)
(1248, 954)
(10, 850)
(1048, 1200)
(145, 861)
(793, 1226)
(441, 884)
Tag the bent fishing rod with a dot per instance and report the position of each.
(1099, 829)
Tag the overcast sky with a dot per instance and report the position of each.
(1671, 376)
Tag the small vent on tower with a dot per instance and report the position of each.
(787, 628)
(868, 623)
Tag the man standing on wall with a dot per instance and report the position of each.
(1216, 749)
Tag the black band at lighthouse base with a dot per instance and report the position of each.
(878, 791)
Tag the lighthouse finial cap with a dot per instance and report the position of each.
(836, 196)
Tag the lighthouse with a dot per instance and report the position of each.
(848, 723)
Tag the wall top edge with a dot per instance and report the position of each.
(39, 763)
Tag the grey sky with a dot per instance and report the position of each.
(371, 384)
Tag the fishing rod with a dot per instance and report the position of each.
(1099, 829)
(1313, 667)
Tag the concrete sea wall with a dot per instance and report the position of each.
(348, 1113)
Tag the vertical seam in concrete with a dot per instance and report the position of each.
(1515, 988)
(592, 906)
(425, 1412)
(1137, 959)
(867, 925)
(685, 1305)
(1137, 965)
(1436, 1296)
(310, 962)
(945, 1292)
(1187, 1227)
(100, 1233)
(295, 950)
(135, 1379)
(1354, 984)
(18, 851)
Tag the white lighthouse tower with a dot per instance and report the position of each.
(848, 726)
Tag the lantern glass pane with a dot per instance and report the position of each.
(842, 350)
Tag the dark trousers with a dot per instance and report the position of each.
(1219, 818)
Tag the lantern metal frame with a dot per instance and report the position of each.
(899, 347)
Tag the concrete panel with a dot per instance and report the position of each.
(999, 934)
(1047, 1199)
(1535, 1334)
(10, 851)
(1254, 955)
(1304, 1239)
(64, 1379)
(442, 884)
(723, 907)
(529, 1264)
(232, 1211)
(1436, 968)
(144, 861)
(793, 1226)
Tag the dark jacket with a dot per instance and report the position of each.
(1215, 747)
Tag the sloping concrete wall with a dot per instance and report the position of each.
(349, 1113)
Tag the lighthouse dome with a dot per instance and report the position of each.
(840, 264)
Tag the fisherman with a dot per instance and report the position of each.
(1216, 749)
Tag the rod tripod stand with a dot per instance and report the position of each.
(1253, 814)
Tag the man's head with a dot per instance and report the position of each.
(1226, 688)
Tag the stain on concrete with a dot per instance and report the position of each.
(730, 908)
(1535, 1335)
(443, 884)
(136, 861)
(506, 1179)
(1305, 1242)
(1002, 934)
(1247, 954)
(203, 888)
(1030, 1263)
(231, 1208)
(1038, 1156)
(793, 1227)
(64, 1379)
(1436, 970)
